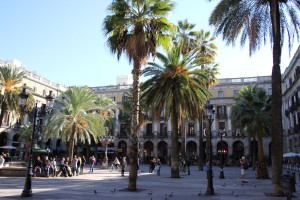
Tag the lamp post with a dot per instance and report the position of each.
(45, 109)
(106, 140)
(222, 151)
(210, 118)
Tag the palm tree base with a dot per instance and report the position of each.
(262, 171)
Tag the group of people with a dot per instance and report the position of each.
(67, 166)
(155, 166)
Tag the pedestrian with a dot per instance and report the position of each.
(92, 163)
(1, 161)
(74, 164)
(47, 166)
(53, 166)
(188, 164)
(158, 165)
(123, 165)
(244, 167)
(83, 162)
(138, 165)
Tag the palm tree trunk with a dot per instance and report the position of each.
(174, 150)
(201, 143)
(262, 171)
(276, 148)
(183, 138)
(135, 132)
(3, 110)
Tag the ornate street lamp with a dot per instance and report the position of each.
(37, 113)
(210, 114)
(106, 140)
(222, 151)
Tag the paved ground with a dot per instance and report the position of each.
(187, 187)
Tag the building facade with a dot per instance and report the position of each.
(155, 137)
(40, 89)
(291, 105)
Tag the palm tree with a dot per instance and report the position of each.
(252, 111)
(185, 34)
(76, 121)
(176, 87)
(135, 29)
(107, 109)
(206, 49)
(257, 21)
(10, 79)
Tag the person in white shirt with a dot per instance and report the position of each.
(1, 161)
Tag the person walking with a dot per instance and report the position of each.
(83, 162)
(74, 165)
(158, 165)
(92, 163)
(123, 165)
(244, 167)
(188, 164)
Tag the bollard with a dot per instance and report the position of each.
(286, 184)
(293, 182)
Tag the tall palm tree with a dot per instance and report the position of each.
(185, 34)
(258, 21)
(252, 111)
(10, 78)
(76, 120)
(206, 49)
(135, 29)
(107, 109)
(176, 87)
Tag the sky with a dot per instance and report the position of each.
(63, 41)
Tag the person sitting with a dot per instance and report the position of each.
(2, 161)
(53, 166)
(37, 167)
(68, 169)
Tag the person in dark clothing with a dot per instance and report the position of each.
(188, 164)
(37, 167)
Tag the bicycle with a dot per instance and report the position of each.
(112, 167)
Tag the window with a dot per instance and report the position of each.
(221, 126)
(191, 130)
(123, 129)
(34, 89)
(220, 94)
(270, 91)
(149, 129)
(44, 93)
(235, 93)
(113, 98)
(124, 98)
(163, 129)
(221, 110)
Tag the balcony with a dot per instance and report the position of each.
(122, 136)
(292, 108)
(222, 116)
(190, 135)
(162, 135)
(147, 135)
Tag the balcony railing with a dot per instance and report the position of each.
(148, 135)
(222, 116)
(162, 135)
(122, 136)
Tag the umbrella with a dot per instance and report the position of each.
(8, 147)
(289, 154)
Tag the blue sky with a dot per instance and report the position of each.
(63, 41)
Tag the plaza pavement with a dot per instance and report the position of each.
(110, 185)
